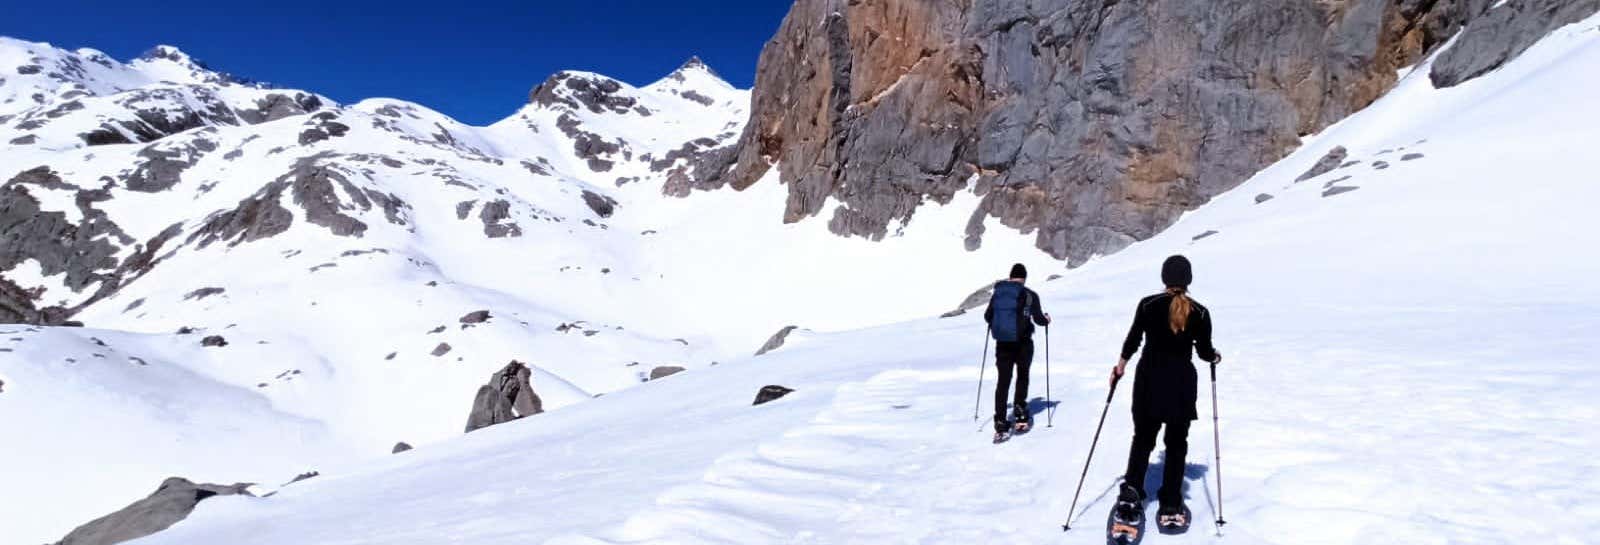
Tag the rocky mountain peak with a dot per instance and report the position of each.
(693, 67)
(168, 63)
(167, 52)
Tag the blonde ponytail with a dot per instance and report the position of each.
(1178, 313)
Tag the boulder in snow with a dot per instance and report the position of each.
(400, 447)
(1327, 163)
(214, 340)
(976, 299)
(508, 396)
(475, 317)
(172, 502)
(771, 392)
(777, 340)
(662, 371)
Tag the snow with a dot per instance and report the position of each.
(1406, 362)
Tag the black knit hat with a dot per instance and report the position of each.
(1176, 272)
(1018, 271)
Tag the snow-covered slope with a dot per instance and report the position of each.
(339, 251)
(1408, 359)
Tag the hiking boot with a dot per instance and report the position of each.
(1130, 494)
(1021, 416)
(1130, 505)
(1172, 516)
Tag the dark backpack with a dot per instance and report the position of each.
(1009, 321)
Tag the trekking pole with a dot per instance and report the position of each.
(1070, 510)
(1050, 408)
(983, 362)
(1216, 438)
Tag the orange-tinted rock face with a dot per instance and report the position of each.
(1092, 123)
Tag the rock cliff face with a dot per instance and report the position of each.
(1093, 123)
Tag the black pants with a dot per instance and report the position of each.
(1009, 356)
(1144, 441)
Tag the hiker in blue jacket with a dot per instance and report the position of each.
(1013, 311)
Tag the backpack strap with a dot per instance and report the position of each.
(1022, 312)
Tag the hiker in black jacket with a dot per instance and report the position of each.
(1013, 311)
(1172, 326)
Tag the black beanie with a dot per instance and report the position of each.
(1018, 271)
(1175, 272)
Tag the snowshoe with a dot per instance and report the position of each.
(1125, 525)
(1172, 520)
(1021, 422)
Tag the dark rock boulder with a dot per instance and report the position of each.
(508, 396)
(663, 371)
(777, 340)
(400, 447)
(202, 293)
(214, 340)
(441, 349)
(1090, 124)
(476, 317)
(602, 206)
(494, 215)
(171, 503)
(771, 392)
(1502, 34)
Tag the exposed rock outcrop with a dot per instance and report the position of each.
(1092, 124)
(777, 340)
(976, 299)
(1502, 34)
(771, 392)
(508, 396)
(171, 502)
(400, 447)
(602, 206)
(311, 184)
(1326, 164)
(663, 371)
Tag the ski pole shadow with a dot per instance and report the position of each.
(1097, 499)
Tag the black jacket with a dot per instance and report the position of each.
(1165, 382)
(1034, 311)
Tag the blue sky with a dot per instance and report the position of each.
(475, 61)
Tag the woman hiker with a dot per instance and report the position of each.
(1172, 325)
